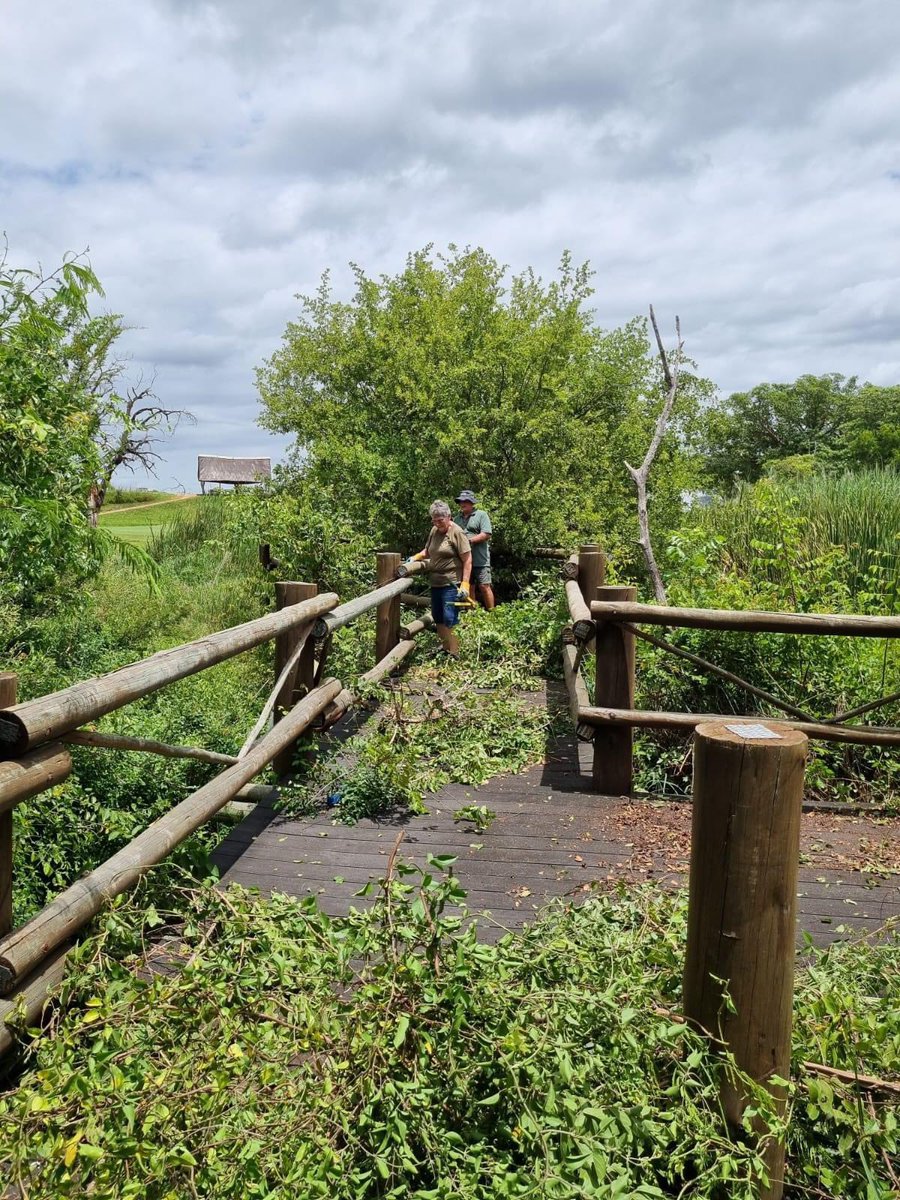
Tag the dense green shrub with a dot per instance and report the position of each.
(451, 374)
(391, 1054)
(770, 550)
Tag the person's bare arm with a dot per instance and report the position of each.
(466, 566)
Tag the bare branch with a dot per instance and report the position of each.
(641, 473)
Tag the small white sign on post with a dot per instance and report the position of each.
(753, 731)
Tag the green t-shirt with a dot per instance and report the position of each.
(479, 522)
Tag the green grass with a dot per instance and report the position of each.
(139, 525)
(858, 512)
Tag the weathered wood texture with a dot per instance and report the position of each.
(346, 699)
(553, 838)
(299, 680)
(591, 571)
(569, 569)
(582, 621)
(577, 691)
(9, 683)
(411, 600)
(25, 948)
(37, 721)
(550, 552)
(415, 567)
(387, 618)
(345, 613)
(750, 621)
(613, 688)
(745, 852)
(35, 992)
(407, 632)
(33, 773)
(118, 741)
(859, 735)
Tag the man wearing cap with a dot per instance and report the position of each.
(476, 525)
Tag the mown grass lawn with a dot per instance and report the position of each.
(138, 523)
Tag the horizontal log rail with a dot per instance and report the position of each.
(748, 621)
(118, 741)
(549, 552)
(347, 698)
(414, 567)
(343, 614)
(25, 777)
(407, 632)
(861, 735)
(25, 726)
(411, 600)
(32, 994)
(26, 947)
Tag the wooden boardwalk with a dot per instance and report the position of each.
(553, 838)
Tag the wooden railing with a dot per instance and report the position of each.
(34, 755)
(747, 799)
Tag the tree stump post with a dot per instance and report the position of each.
(387, 617)
(614, 688)
(300, 679)
(9, 683)
(591, 571)
(745, 852)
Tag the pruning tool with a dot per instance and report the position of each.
(464, 599)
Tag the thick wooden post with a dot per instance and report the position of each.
(387, 617)
(591, 571)
(614, 688)
(745, 851)
(9, 683)
(300, 680)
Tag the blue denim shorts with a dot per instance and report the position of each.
(442, 607)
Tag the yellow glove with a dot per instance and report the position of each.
(418, 557)
(464, 587)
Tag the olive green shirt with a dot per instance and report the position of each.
(478, 522)
(446, 550)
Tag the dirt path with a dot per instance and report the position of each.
(120, 508)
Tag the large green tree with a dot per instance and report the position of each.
(60, 417)
(451, 375)
(830, 420)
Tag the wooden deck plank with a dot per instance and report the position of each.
(551, 838)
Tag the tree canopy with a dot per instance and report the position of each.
(827, 420)
(448, 375)
(60, 419)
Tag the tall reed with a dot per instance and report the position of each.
(857, 512)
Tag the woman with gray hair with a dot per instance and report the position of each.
(449, 572)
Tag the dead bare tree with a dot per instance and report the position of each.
(640, 474)
(135, 425)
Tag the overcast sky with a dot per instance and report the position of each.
(738, 163)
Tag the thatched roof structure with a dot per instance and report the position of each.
(211, 468)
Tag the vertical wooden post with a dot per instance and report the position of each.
(9, 683)
(291, 593)
(614, 688)
(591, 570)
(745, 851)
(387, 617)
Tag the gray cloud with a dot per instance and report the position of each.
(735, 163)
